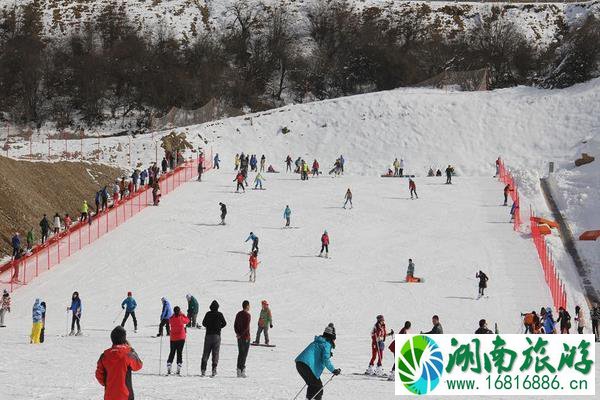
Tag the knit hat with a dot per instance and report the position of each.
(5, 293)
(118, 335)
(329, 332)
(128, 294)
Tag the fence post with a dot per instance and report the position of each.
(36, 264)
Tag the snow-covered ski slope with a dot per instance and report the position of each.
(178, 248)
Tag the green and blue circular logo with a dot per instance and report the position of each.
(420, 364)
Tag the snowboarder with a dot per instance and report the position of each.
(410, 272)
(254, 239)
(287, 213)
(507, 190)
(412, 186)
(223, 212)
(75, 309)
(449, 173)
(324, 244)
(378, 335)
(437, 327)
(483, 329)
(258, 180)
(565, 320)
(57, 224)
(16, 245)
(36, 328)
(595, 317)
(241, 327)
(213, 322)
(265, 322)
(4, 307)
(288, 164)
(113, 370)
(253, 262)
(178, 321)
(165, 314)
(314, 359)
(216, 161)
(348, 198)
(239, 179)
(580, 319)
(129, 305)
(84, 211)
(548, 321)
(483, 278)
(192, 310)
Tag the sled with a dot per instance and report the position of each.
(590, 235)
(262, 345)
(544, 221)
(413, 279)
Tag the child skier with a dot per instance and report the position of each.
(483, 278)
(36, 328)
(177, 322)
(165, 315)
(378, 335)
(412, 186)
(129, 305)
(287, 213)
(253, 262)
(223, 212)
(4, 307)
(265, 322)
(254, 239)
(75, 309)
(324, 244)
(348, 198)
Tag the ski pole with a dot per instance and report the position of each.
(117, 317)
(67, 331)
(298, 394)
(160, 357)
(187, 361)
(320, 390)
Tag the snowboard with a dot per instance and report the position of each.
(262, 345)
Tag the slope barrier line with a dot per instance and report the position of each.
(17, 273)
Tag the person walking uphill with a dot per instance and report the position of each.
(165, 315)
(75, 309)
(314, 359)
(241, 327)
(178, 321)
(37, 315)
(129, 305)
(4, 307)
(113, 370)
(192, 310)
(213, 321)
(483, 278)
(44, 227)
(265, 322)
(84, 211)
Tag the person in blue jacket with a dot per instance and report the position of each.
(314, 359)
(216, 161)
(166, 313)
(287, 213)
(548, 321)
(129, 305)
(16, 245)
(75, 309)
(254, 239)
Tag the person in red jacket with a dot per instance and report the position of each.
(392, 346)
(324, 244)
(253, 261)
(315, 168)
(114, 367)
(239, 179)
(378, 335)
(241, 327)
(412, 186)
(177, 322)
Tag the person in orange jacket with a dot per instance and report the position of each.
(113, 370)
(178, 321)
(253, 261)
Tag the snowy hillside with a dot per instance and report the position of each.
(188, 18)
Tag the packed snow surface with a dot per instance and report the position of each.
(450, 232)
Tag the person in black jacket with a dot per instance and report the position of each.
(213, 321)
(483, 278)
(565, 320)
(483, 329)
(437, 326)
(223, 212)
(45, 227)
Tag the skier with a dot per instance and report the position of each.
(213, 322)
(258, 180)
(449, 172)
(263, 160)
(565, 320)
(129, 305)
(498, 161)
(165, 315)
(288, 164)
(548, 321)
(36, 328)
(314, 359)
(595, 317)
(324, 244)
(401, 167)
(178, 321)
(287, 213)
(396, 165)
(200, 170)
(254, 239)
(392, 346)
(342, 162)
(253, 262)
(514, 209)
(507, 190)
(75, 309)
(192, 310)
(483, 329)
(16, 245)
(483, 278)
(348, 198)
(113, 370)
(410, 272)
(216, 161)
(56, 224)
(412, 186)
(239, 179)
(265, 322)
(580, 319)
(223, 212)
(315, 168)
(241, 327)
(84, 211)
(437, 327)
(4, 307)
(30, 239)
(378, 335)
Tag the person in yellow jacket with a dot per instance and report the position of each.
(84, 211)
(37, 316)
(237, 162)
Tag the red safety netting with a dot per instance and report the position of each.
(555, 284)
(15, 274)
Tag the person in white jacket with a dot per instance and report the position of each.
(401, 169)
(580, 319)
(57, 224)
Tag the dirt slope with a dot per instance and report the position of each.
(30, 189)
